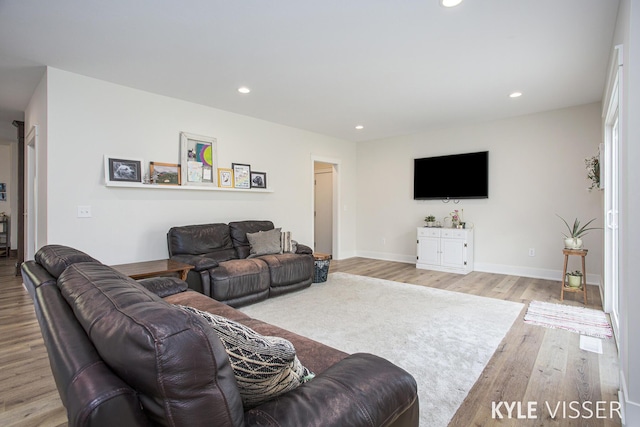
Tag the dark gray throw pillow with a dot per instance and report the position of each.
(264, 242)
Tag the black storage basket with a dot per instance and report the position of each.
(321, 270)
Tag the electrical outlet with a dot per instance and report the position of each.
(384, 241)
(532, 252)
(84, 211)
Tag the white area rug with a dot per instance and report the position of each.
(444, 339)
(585, 321)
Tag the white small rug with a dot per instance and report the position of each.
(444, 339)
(582, 320)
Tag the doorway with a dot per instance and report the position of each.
(323, 208)
(19, 211)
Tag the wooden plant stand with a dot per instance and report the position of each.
(581, 253)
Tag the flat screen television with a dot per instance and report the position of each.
(457, 176)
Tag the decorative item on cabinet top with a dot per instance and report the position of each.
(430, 221)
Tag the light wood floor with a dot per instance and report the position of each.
(532, 364)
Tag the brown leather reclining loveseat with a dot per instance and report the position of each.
(227, 267)
(123, 353)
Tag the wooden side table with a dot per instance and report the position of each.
(161, 267)
(581, 253)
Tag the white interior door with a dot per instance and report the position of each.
(611, 181)
(323, 208)
(611, 230)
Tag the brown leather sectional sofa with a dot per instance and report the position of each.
(224, 270)
(123, 354)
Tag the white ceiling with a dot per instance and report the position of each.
(396, 67)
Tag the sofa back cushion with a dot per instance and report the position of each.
(173, 360)
(210, 240)
(239, 230)
(56, 258)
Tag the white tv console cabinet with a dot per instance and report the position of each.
(445, 249)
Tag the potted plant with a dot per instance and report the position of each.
(573, 240)
(430, 220)
(574, 279)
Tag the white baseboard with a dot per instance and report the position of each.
(537, 273)
(386, 256)
(630, 410)
(345, 255)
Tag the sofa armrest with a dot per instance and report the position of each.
(360, 390)
(164, 286)
(304, 249)
(199, 262)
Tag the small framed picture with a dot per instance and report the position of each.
(122, 170)
(164, 173)
(225, 178)
(199, 159)
(241, 175)
(258, 179)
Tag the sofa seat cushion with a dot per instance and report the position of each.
(314, 355)
(239, 277)
(288, 269)
(174, 361)
(265, 367)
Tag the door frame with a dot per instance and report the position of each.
(612, 115)
(31, 192)
(335, 163)
(20, 209)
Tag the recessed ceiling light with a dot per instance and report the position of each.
(450, 3)
(515, 94)
(244, 89)
(359, 127)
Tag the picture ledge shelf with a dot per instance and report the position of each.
(185, 187)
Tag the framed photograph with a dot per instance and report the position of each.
(258, 179)
(164, 173)
(122, 170)
(198, 159)
(225, 178)
(241, 175)
(3, 192)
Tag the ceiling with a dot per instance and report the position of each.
(394, 67)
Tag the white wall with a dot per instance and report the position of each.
(628, 34)
(89, 118)
(537, 169)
